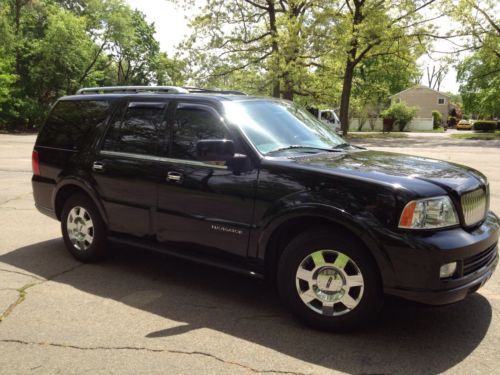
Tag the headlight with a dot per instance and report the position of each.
(428, 214)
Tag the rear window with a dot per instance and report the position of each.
(70, 121)
(138, 130)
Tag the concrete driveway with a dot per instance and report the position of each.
(146, 313)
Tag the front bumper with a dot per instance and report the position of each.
(416, 262)
(443, 297)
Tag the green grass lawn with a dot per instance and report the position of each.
(479, 136)
(438, 130)
(355, 135)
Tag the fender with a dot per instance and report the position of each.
(334, 215)
(86, 187)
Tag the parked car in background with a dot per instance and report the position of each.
(260, 186)
(328, 116)
(464, 125)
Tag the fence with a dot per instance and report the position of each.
(417, 124)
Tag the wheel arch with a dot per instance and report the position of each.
(277, 236)
(71, 186)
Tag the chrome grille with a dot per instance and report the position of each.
(474, 206)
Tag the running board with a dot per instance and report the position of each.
(185, 254)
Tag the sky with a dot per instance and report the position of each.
(171, 22)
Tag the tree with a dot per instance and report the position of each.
(52, 47)
(479, 77)
(302, 47)
(372, 28)
(168, 71)
(277, 41)
(8, 77)
(436, 76)
(479, 73)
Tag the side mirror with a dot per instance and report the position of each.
(215, 150)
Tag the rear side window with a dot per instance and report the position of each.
(138, 131)
(70, 121)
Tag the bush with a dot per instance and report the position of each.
(452, 121)
(436, 119)
(401, 114)
(485, 126)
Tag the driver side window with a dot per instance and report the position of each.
(193, 124)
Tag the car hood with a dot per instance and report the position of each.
(396, 168)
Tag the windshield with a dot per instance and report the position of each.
(273, 125)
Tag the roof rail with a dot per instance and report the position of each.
(212, 91)
(133, 90)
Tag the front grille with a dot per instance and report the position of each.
(474, 206)
(480, 260)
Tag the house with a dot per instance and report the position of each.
(426, 99)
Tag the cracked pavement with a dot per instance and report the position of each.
(148, 313)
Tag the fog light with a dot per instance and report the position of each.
(447, 270)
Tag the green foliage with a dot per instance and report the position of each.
(50, 48)
(401, 114)
(298, 50)
(484, 126)
(479, 136)
(436, 119)
(479, 73)
(479, 77)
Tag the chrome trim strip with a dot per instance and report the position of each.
(193, 163)
(56, 148)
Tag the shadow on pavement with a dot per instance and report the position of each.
(406, 338)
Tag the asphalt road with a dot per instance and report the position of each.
(147, 313)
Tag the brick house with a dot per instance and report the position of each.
(426, 99)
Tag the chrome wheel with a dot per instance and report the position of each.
(80, 228)
(329, 282)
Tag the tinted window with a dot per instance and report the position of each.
(138, 130)
(191, 125)
(70, 121)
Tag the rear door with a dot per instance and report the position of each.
(201, 205)
(124, 169)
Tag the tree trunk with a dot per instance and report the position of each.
(346, 95)
(288, 92)
(17, 22)
(351, 62)
(274, 47)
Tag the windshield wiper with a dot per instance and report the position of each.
(342, 145)
(291, 147)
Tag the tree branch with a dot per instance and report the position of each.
(488, 18)
(251, 62)
(257, 5)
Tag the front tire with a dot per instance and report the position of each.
(329, 281)
(83, 229)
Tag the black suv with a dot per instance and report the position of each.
(259, 186)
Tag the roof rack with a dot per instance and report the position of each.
(212, 91)
(133, 90)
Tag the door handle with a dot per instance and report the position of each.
(174, 177)
(98, 166)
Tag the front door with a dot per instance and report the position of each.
(201, 205)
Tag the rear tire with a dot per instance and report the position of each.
(83, 229)
(329, 281)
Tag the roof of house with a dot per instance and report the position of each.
(420, 87)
